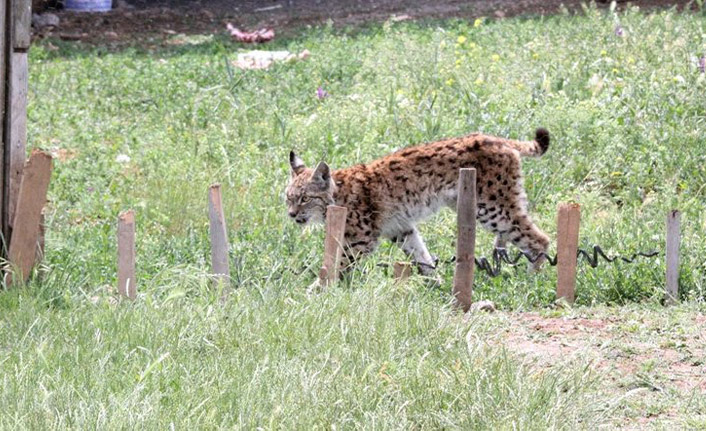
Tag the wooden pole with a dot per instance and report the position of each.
(127, 283)
(333, 245)
(15, 37)
(28, 217)
(672, 256)
(466, 241)
(402, 271)
(219, 237)
(15, 134)
(567, 244)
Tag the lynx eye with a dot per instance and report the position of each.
(306, 199)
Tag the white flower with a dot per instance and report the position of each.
(122, 158)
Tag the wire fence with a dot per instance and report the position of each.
(501, 257)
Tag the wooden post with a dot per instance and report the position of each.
(21, 21)
(15, 37)
(127, 283)
(567, 243)
(402, 271)
(333, 245)
(219, 237)
(466, 241)
(672, 256)
(15, 134)
(28, 217)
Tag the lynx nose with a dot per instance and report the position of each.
(292, 214)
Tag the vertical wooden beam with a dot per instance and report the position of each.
(32, 197)
(466, 241)
(567, 250)
(127, 283)
(672, 256)
(333, 245)
(401, 271)
(21, 21)
(15, 133)
(4, 66)
(219, 237)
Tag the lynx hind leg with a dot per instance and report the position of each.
(530, 239)
(412, 245)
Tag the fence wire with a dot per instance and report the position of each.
(493, 266)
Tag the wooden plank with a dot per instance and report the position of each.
(466, 240)
(401, 271)
(32, 197)
(333, 245)
(4, 223)
(15, 133)
(567, 245)
(672, 256)
(219, 237)
(21, 21)
(127, 282)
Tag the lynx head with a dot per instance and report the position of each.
(309, 191)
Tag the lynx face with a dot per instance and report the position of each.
(309, 192)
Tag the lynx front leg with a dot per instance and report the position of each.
(413, 245)
(353, 250)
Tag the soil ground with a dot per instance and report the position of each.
(150, 22)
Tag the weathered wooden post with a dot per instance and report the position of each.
(28, 216)
(466, 241)
(333, 245)
(567, 243)
(15, 18)
(401, 271)
(219, 237)
(672, 256)
(127, 283)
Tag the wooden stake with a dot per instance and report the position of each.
(219, 237)
(127, 283)
(15, 135)
(402, 271)
(333, 245)
(673, 242)
(28, 216)
(21, 20)
(466, 241)
(567, 244)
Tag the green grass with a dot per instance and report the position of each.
(627, 118)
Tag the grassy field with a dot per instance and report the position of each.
(151, 128)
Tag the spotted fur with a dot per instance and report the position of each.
(389, 196)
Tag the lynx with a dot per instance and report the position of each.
(389, 196)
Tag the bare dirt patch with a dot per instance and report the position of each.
(640, 356)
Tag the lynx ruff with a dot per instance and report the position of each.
(389, 196)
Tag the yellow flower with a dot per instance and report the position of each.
(615, 70)
(472, 45)
(604, 52)
(478, 22)
(631, 60)
(450, 82)
(495, 57)
(461, 40)
(535, 56)
(478, 81)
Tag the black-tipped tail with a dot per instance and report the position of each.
(541, 135)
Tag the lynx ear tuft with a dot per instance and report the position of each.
(296, 163)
